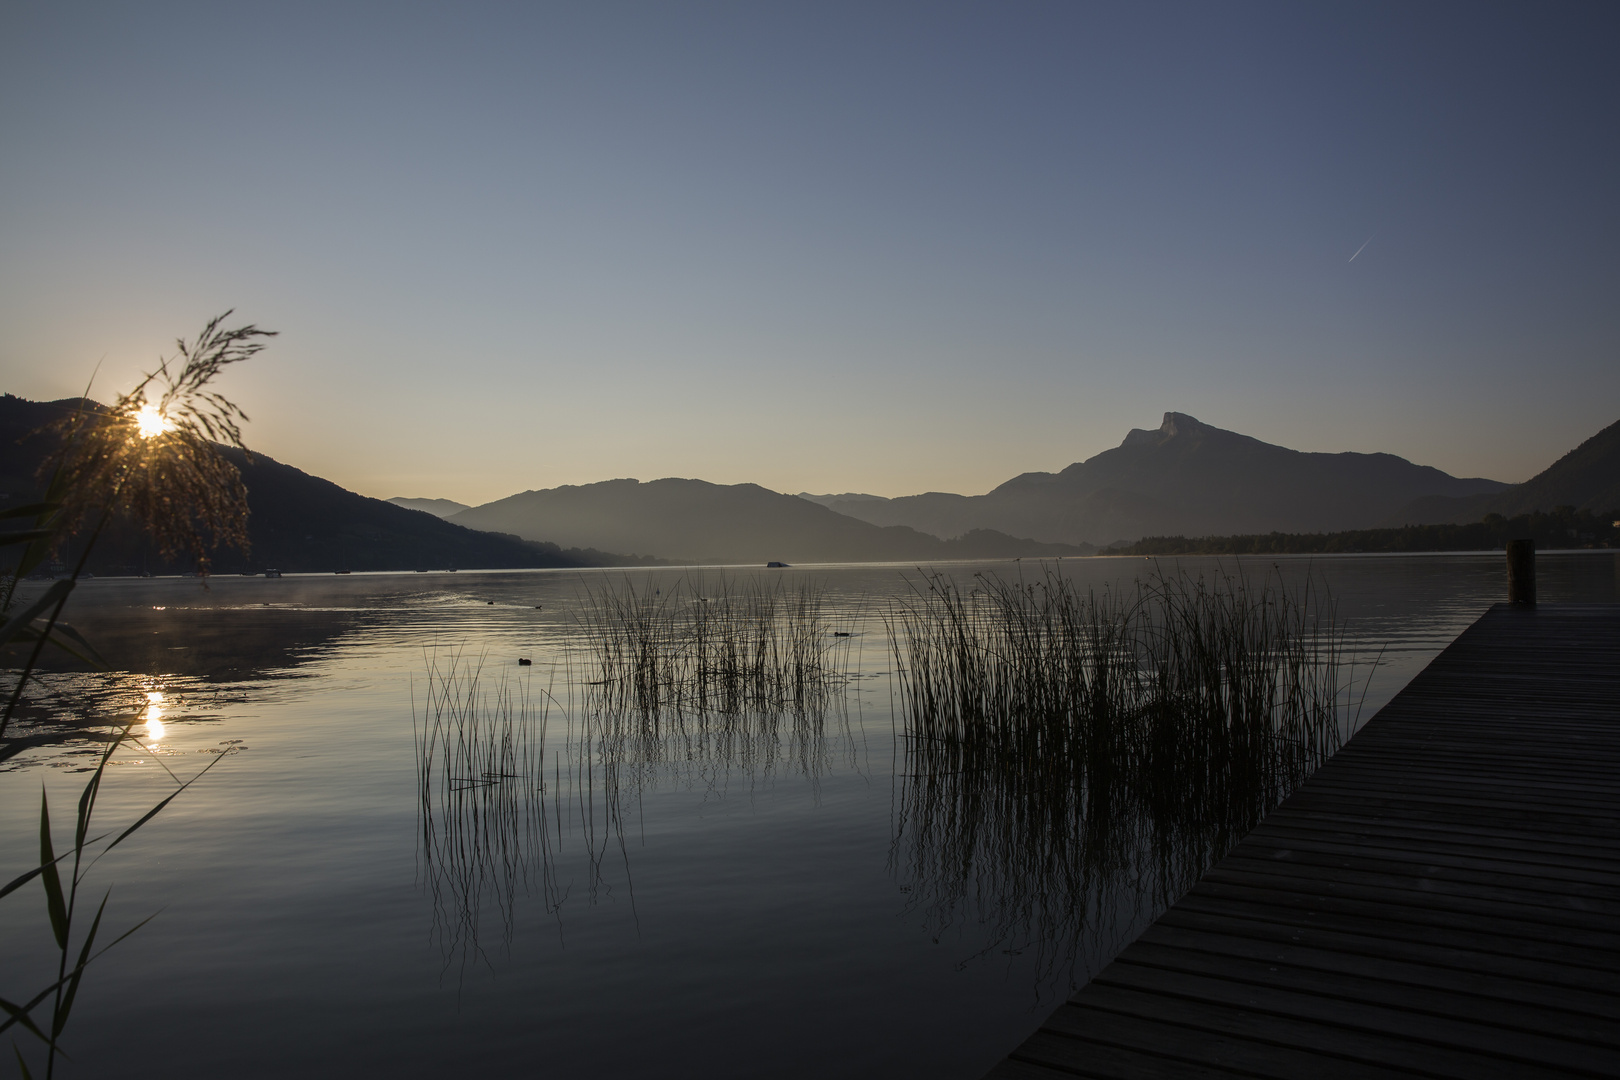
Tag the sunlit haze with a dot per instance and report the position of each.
(829, 247)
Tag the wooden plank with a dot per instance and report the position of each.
(1272, 1037)
(1485, 935)
(1557, 881)
(1351, 827)
(1521, 1052)
(1427, 893)
(1192, 1045)
(1511, 981)
(1441, 898)
(1528, 776)
(1480, 794)
(1046, 1055)
(1378, 983)
(1422, 949)
(1472, 860)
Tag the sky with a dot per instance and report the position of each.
(877, 247)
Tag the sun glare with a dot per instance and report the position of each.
(152, 422)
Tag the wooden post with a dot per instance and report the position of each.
(1521, 567)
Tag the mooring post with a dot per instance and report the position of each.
(1521, 566)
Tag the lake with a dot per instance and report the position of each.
(750, 906)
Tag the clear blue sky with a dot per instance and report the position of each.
(870, 247)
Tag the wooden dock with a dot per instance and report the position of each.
(1440, 899)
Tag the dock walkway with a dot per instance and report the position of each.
(1442, 898)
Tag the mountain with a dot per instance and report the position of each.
(1185, 478)
(297, 522)
(1586, 478)
(699, 522)
(437, 507)
(937, 513)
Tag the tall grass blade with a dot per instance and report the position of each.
(19, 1015)
(59, 1021)
(14, 626)
(54, 902)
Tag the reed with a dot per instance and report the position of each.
(480, 761)
(730, 647)
(683, 687)
(1073, 758)
(709, 676)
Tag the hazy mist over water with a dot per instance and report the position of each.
(752, 911)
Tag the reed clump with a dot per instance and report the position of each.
(693, 679)
(686, 682)
(729, 647)
(1068, 752)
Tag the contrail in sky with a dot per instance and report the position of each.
(1362, 248)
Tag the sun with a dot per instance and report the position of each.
(152, 422)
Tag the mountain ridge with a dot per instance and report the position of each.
(701, 522)
(297, 521)
(1183, 477)
(442, 508)
(1585, 478)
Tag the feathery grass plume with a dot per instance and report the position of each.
(154, 454)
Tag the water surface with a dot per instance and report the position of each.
(751, 909)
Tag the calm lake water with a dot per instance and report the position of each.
(748, 908)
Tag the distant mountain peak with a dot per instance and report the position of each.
(1175, 423)
(442, 508)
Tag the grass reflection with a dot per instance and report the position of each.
(480, 760)
(685, 690)
(701, 680)
(1074, 760)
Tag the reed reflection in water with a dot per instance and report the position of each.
(686, 689)
(485, 830)
(1074, 760)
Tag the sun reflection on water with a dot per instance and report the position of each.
(154, 715)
